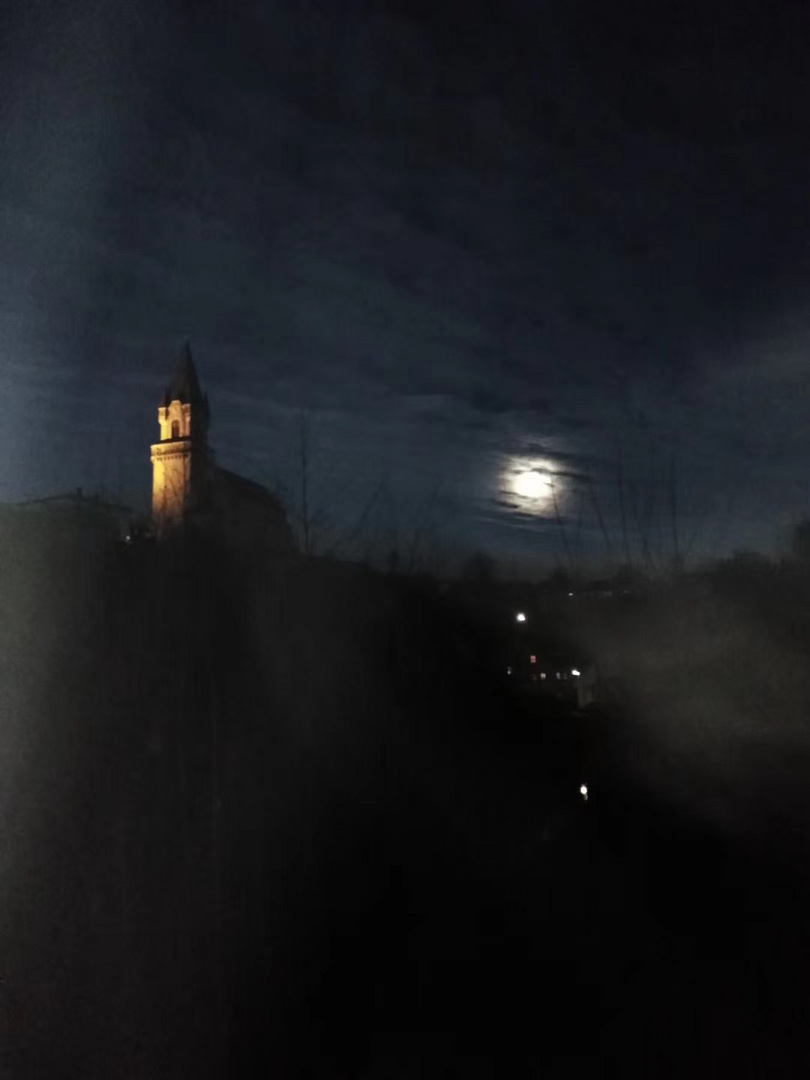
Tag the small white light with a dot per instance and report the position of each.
(509, 671)
(570, 594)
(574, 671)
(521, 617)
(584, 792)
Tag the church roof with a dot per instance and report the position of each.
(184, 385)
(248, 489)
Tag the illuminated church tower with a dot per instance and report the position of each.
(181, 461)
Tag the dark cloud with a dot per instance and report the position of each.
(575, 423)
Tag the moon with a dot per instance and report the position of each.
(532, 485)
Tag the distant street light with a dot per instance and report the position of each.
(521, 617)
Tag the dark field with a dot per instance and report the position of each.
(291, 822)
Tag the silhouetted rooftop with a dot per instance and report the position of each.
(248, 489)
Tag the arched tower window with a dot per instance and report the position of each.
(175, 429)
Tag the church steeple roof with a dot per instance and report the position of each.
(185, 385)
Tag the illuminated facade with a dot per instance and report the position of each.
(188, 486)
(181, 462)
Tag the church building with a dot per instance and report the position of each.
(190, 488)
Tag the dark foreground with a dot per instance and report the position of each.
(249, 835)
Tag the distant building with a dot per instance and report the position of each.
(72, 513)
(189, 487)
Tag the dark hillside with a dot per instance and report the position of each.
(292, 819)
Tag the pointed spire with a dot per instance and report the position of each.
(184, 385)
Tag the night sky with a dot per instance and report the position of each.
(461, 240)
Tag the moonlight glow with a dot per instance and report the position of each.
(532, 485)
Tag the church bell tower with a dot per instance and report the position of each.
(181, 460)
